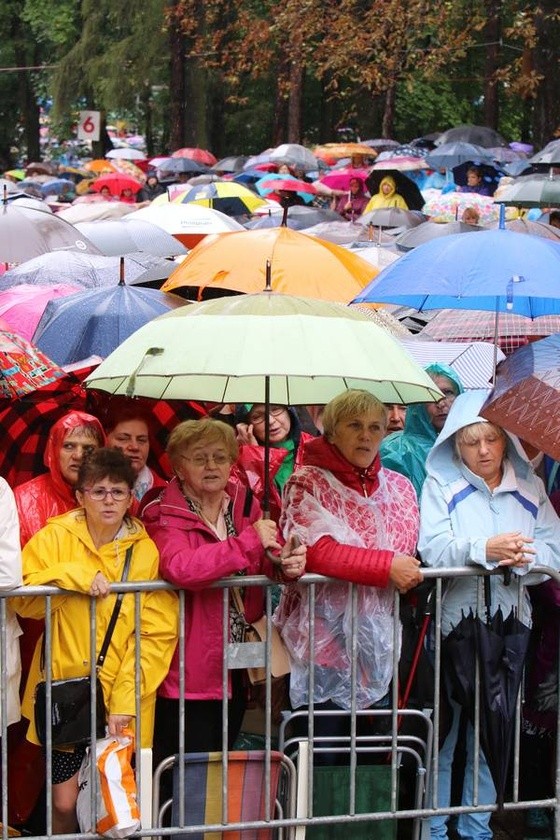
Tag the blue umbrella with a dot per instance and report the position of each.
(453, 154)
(498, 270)
(263, 186)
(95, 322)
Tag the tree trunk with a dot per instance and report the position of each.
(296, 94)
(387, 126)
(492, 36)
(177, 88)
(546, 58)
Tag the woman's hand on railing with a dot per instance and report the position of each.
(293, 558)
(405, 572)
(100, 586)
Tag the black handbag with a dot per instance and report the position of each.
(71, 698)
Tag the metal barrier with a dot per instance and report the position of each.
(290, 807)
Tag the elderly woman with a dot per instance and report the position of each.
(479, 487)
(360, 523)
(206, 528)
(286, 440)
(84, 551)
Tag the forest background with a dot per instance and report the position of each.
(238, 76)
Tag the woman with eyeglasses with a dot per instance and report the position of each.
(207, 527)
(84, 551)
(286, 449)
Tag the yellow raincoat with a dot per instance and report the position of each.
(392, 199)
(63, 554)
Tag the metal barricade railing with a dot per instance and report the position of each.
(288, 805)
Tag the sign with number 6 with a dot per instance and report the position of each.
(89, 125)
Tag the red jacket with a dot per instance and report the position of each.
(192, 557)
(49, 494)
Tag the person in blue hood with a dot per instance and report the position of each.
(482, 505)
(406, 451)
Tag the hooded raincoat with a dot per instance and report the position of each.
(63, 554)
(406, 451)
(391, 199)
(353, 522)
(459, 514)
(10, 577)
(49, 494)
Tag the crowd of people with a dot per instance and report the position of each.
(373, 495)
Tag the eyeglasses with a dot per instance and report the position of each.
(99, 494)
(258, 416)
(204, 460)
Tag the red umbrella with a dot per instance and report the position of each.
(199, 155)
(116, 182)
(23, 368)
(288, 184)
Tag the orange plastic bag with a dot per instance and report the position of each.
(116, 807)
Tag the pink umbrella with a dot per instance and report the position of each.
(339, 179)
(21, 307)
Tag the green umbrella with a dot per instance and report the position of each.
(223, 350)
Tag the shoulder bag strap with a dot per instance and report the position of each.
(115, 613)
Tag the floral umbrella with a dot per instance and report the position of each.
(23, 368)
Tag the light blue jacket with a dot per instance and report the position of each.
(458, 513)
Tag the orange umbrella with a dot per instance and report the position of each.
(337, 151)
(300, 265)
(98, 166)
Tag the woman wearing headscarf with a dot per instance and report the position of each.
(387, 196)
(406, 451)
(352, 203)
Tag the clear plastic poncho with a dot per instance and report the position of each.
(317, 504)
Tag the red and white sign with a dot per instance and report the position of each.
(89, 125)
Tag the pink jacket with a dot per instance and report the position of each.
(192, 557)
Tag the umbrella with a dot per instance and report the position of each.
(233, 163)
(426, 231)
(405, 187)
(339, 179)
(56, 185)
(26, 233)
(116, 237)
(449, 155)
(94, 323)
(526, 396)
(116, 182)
(88, 208)
(221, 350)
(299, 263)
(401, 163)
(490, 174)
(497, 270)
(125, 153)
(202, 156)
(549, 156)
(335, 151)
(99, 166)
(226, 196)
(391, 217)
(295, 155)
(269, 183)
(449, 207)
(23, 368)
(88, 271)
(273, 220)
(481, 135)
(532, 191)
(176, 166)
(22, 306)
(537, 228)
(189, 223)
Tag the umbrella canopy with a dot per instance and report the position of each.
(94, 323)
(125, 153)
(21, 308)
(427, 231)
(189, 223)
(330, 152)
(299, 264)
(268, 185)
(449, 155)
(116, 182)
(26, 233)
(549, 156)
(339, 179)
(99, 166)
(391, 217)
(480, 135)
(537, 228)
(497, 270)
(87, 271)
(401, 163)
(178, 165)
(222, 350)
(532, 191)
(449, 207)
(94, 207)
(115, 237)
(233, 163)
(225, 196)
(202, 156)
(295, 155)
(405, 187)
(23, 368)
(526, 396)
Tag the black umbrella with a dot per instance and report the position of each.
(479, 134)
(500, 646)
(234, 163)
(405, 186)
(175, 166)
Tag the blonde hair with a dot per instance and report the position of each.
(204, 431)
(474, 431)
(350, 404)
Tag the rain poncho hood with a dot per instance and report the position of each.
(459, 513)
(406, 451)
(391, 199)
(49, 494)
